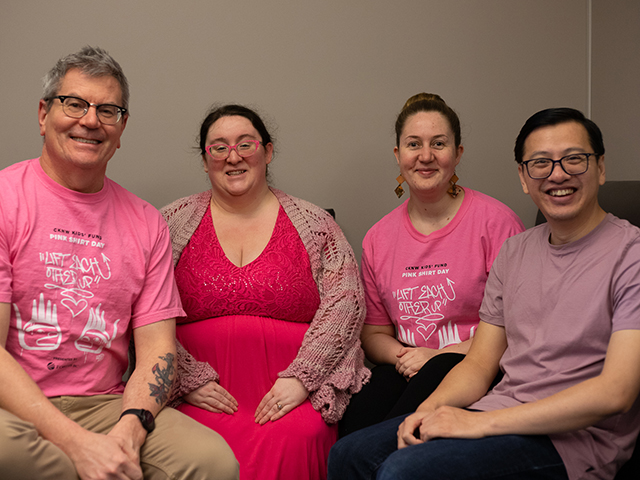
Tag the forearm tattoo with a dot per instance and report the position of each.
(164, 379)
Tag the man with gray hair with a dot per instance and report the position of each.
(84, 267)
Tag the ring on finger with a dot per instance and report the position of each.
(279, 405)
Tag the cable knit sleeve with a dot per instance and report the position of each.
(191, 374)
(183, 217)
(330, 362)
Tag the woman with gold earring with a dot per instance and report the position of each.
(424, 267)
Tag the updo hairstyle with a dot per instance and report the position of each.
(428, 102)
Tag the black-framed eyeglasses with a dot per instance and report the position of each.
(574, 164)
(76, 107)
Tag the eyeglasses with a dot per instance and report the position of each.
(76, 107)
(574, 164)
(221, 151)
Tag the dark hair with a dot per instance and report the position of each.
(428, 102)
(556, 116)
(92, 61)
(216, 113)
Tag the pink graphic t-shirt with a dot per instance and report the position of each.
(430, 287)
(80, 271)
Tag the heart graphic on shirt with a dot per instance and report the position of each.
(427, 331)
(76, 308)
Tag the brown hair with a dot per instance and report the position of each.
(428, 102)
(217, 112)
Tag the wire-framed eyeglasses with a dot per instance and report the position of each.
(574, 164)
(76, 107)
(221, 151)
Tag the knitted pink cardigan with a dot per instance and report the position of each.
(330, 360)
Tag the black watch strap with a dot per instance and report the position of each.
(145, 416)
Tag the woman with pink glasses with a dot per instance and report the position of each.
(274, 308)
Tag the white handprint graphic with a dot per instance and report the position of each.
(406, 336)
(94, 335)
(448, 336)
(42, 332)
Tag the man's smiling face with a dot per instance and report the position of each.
(562, 197)
(75, 146)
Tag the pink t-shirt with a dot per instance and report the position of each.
(80, 271)
(430, 287)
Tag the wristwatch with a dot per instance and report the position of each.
(145, 416)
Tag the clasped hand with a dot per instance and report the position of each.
(112, 456)
(412, 359)
(444, 422)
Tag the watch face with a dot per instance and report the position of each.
(146, 417)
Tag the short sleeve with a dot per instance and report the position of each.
(626, 289)
(506, 226)
(376, 312)
(6, 269)
(159, 298)
(492, 308)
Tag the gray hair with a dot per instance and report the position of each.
(92, 61)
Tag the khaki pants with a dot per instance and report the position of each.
(178, 448)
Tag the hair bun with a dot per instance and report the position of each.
(428, 102)
(421, 97)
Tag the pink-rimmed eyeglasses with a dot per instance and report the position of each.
(221, 151)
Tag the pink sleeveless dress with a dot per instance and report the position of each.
(248, 324)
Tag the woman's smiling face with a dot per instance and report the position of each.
(426, 154)
(236, 175)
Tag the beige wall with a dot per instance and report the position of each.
(331, 76)
(616, 84)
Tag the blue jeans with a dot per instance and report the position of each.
(372, 453)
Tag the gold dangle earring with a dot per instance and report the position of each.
(399, 190)
(454, 190)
